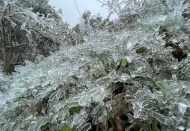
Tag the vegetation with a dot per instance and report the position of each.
(133, 78)
(30, 28)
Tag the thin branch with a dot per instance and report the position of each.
(118, 121)
(97, 127)
(131, 126)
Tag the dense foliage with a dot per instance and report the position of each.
(136, 78)
(29, 28)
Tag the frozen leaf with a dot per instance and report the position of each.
(125, 77)
(163, 119)
(159, 84)
(96, 109)
(102, 118)
(181, 128)
(183, 105)
(8, 126)
(84, 100)
(40, 122)
(78, 119)
(86, 127)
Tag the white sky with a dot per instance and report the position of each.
(70, 12)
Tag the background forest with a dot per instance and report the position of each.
(128, 74)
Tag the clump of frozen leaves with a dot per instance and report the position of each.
(137, 78)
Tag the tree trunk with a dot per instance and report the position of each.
(6, 66)
(3, 40)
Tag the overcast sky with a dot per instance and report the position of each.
(70, 12)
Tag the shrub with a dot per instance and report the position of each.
(133, 79)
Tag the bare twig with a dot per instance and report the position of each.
(118, 121)
(131, 126)
(97, 127)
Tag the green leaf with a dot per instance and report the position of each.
(73, 110)
(123, 62)
(66, 128)
(140, 50)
